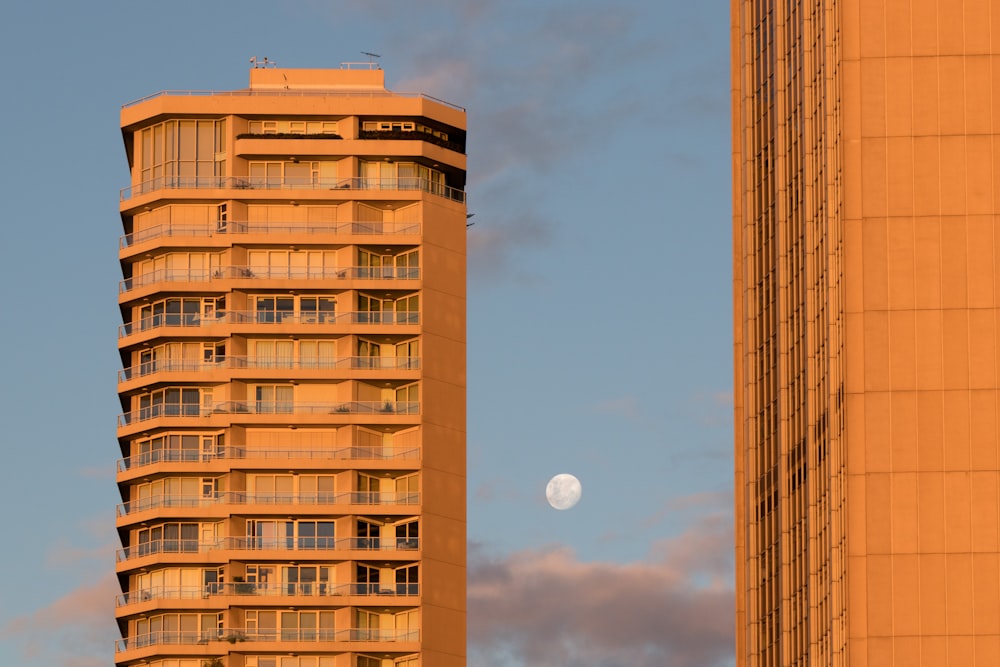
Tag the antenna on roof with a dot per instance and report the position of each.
(262, 63)
(371, 57)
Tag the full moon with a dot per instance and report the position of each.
(563, 491)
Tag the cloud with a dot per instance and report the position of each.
(494, 245)
(76, 630)
(495, 489)
(86, 547)
(541, 98)
(546, 608)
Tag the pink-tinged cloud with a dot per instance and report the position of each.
(76, 630)
(546, 608)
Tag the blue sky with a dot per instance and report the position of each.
(599, 302)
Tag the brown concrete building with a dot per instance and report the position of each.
(293, 383)
(866, 243)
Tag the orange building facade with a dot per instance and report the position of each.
(293, 382)
(866, 244)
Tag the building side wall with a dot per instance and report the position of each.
(921, 237)
(788, 323)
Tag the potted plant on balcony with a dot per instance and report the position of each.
(213, 662)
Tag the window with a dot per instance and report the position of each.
(369, 354)
(292, 625)
(305, 580)
(183, 153)
(317, 354)
(408, 489)
(167, 492)
(368, 534)
(271, 488)
(292, 174)
(407, 625)
(174, 266)
(308, 489)
(312, 309)
(213, 353)
(174, 402)
(176, 628)
(177, 447)
(221, 217)
(405, 265)
(292, 127)
(289, 661)
(177, 662)
(180, 312)
(316, 489)
(408, 535)
(401, 176)
(408, 354)
(407, 398)
(274, 398)
(401, 126)
(177, 357)
(317, 309)
(294, 264)
(308, 535)
(272, 354)
(407, 580)
(368, 489)
(274, 309)
(213, 580)
(367, 579)
(366, 624)
(401, 310)
(169, 538)
(171, 582)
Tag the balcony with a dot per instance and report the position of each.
(306, 544)
(267, 589)
(233, 635)
(269, 363)
(228, 228)
(241, 453)
(242, 498)
(267, 317)
(269, 408)
(268, 273)
(362, 183)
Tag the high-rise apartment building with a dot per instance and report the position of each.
(293, 383)
(866, 245)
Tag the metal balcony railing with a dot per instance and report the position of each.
(230, 227)
(243, 498)
(268, 273)
(269, 408)
(233, 635)
(250, 92)
(241, 453)
(268, 317)
(267, 589)
(182, 546)
(237, 362)
(400, 184)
